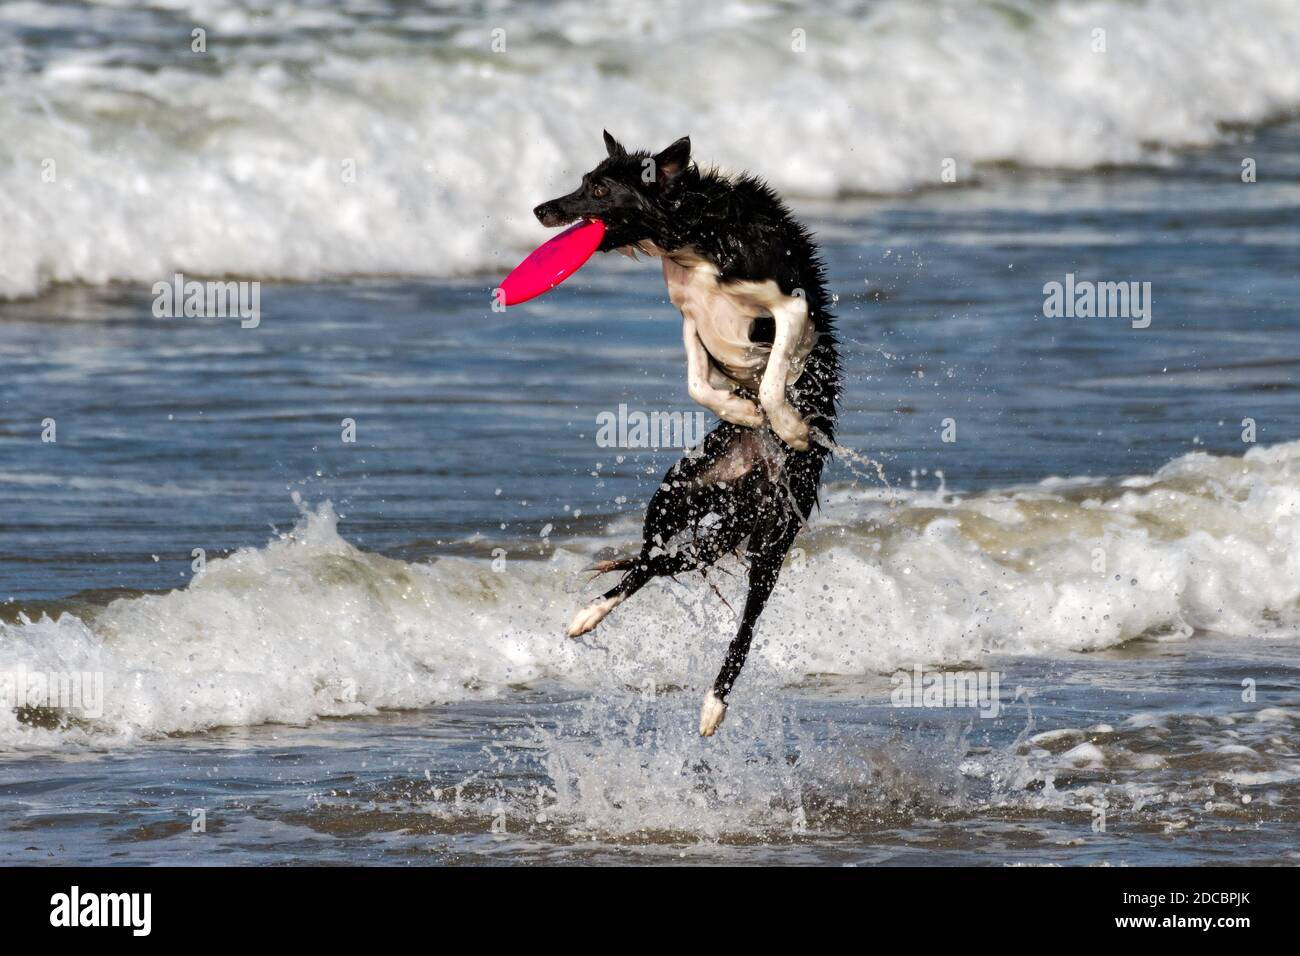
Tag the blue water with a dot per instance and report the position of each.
(474, 784)
(175, 434)
(310, 700)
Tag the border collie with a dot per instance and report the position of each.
(760, 354)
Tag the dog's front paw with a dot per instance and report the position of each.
(741, 411)
(588, 617)
(790, 428)
(712, 713)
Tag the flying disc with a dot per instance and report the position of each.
(552, 262)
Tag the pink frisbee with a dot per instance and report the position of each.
(552, 262)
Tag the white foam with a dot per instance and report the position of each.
(309, 626)
(1085, 754)
(231, 162)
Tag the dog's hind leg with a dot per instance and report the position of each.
(714, 482)
(702, 551)
(767, 549)
(639, 570)
(784, 508)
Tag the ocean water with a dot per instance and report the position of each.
(316, 650)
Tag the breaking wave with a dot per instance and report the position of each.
(384, 138)
(309, 626)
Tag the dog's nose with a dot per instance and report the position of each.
(542, 212)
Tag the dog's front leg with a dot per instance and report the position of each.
(726, 405)
(790, 314)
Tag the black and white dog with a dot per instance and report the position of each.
(760, 353)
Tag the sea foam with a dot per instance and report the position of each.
(310, 626)
(416, 150)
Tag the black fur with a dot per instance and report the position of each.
(761, 490)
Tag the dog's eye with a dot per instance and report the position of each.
(600, 192)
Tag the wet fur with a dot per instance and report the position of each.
(744, 486)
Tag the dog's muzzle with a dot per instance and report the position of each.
(550, 217)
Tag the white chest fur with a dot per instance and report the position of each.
(722, 319)
(724, 314)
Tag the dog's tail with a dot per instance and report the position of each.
(614, 564)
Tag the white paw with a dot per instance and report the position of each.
(741, 411)
(790, 427)
(588, 617)
(712, 714)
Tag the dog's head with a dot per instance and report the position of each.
(624, 192)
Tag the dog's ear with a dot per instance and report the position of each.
(671, 161)
(612, 146)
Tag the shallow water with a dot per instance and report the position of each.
(827, 772)
(370, 666)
